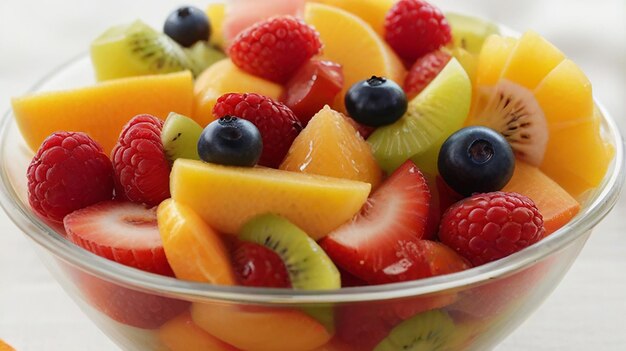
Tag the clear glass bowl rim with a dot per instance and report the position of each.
(599, 206)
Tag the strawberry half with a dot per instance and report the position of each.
(259, 266)
(123, 232)
(396, 214)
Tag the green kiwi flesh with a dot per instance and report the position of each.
(469, 33)
(202, 55)
(513, 111)
(308, 265)
(180, 137)
(136, 49)
(428, 331)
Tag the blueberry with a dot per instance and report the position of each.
(476, 160)
(376, 102)
(187, 25)
(231, 141)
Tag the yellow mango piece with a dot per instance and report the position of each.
(371, 11)
(531, 60)
(224, 77)
(227, 197)
(216, 12)
(103, 109)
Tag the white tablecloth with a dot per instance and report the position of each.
(587, 311)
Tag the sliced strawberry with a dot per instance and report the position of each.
(120, 231)
(442, 197)
(314, 85)
(259, 266)
(127, 306)
(394, 215)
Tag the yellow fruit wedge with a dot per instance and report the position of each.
(216, 12)
(182, 334)
(351, 42)
(227, 197)
(103, 109)
(224, 77)
(531, 60)
(330, 146)
(193, 249)
(492, 59)
(543, 103)
(371, 11)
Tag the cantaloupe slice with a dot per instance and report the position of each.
(227, 197)
(182, 334)
(260, 329)
(193, 249)
(330, 146)
(103, 109)
(554, 203)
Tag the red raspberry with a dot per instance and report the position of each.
(278, 125)
(487, 227)
(69, 172)
(142, 170)
(414, 28)
(274, 49)
(423, 71)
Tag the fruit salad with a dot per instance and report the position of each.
(312, 145)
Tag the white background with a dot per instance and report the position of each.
(587, 311)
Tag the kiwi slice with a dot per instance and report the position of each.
(469, 33)
(202, 55)
(432, 116)
(308, 265)
(180, 137)
(428, 331)
(135, 49)
(513, 111)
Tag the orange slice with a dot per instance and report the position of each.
(353, 43)
(182, 334)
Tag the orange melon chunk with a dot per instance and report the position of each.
(103, 109)
(554, 203)
(193, 249)
(182, 334)
(260, 329)
(330, 146)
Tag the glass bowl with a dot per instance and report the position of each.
(470, 310)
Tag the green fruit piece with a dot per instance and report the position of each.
(202, 56)
(133, 50)
(180, 137)
(308, 265)
(432, 116)
(428, 331)
(469, 32)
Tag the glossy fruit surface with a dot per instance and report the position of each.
(259, 266)
(347, 40)
(187, 25)
(194, 250)
(182, 334)
(123, 232)
(227, 197)
(231, 141)
(554, 203)
(102, 110)
(276, 122)
(330, 146)
(476, 160)
(314, 85)
(376, 101)
(423, 71)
